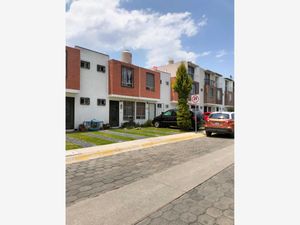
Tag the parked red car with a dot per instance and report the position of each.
(220, 122)
(206, 115)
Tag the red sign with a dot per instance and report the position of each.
(195, 98)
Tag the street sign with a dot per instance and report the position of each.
(195, 99)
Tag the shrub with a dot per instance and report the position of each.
(130, 124)
(148, 123)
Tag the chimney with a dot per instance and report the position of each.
(126, 57)
(171, 61)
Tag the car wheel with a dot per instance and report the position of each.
(208, 134)
(157, 124)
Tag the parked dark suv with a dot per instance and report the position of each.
(169, 118)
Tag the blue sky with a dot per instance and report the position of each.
(156, 30)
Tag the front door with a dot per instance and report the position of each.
(69, 113)
(114, 113)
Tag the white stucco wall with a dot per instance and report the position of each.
(93, 85)
(165, 93)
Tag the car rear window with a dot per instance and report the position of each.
(219, 116)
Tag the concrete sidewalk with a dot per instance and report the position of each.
(133, 202)
(83, 154)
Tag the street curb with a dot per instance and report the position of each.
(83, 154)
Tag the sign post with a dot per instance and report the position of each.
(195, 99)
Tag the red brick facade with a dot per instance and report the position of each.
(139, 81)
(72, 68)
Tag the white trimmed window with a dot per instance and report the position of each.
(140, 110)
(127, 77)
(128, 110)
(150, 81)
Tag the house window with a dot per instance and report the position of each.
(230, 97)
(128, 110)
(195, 89)
(140, 110)
(127, 77)
(150, 81)
(191, 71)
(101, 101)
(167, 106)
(101, 68)
(167, 82)
(211, 92)
(158, 105)
(84, 101)
(219, 95)
(160, 81)
(84, 64)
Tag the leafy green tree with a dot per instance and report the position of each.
(183, 86)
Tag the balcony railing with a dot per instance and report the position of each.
(210, 82)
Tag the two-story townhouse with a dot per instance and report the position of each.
(133, 91)
(228, 94)
(213, 92)
(164, 103)
(195, 72)
(86, 86)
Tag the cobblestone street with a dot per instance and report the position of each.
(90, 178)
(210, 203)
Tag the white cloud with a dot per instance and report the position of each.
(203, 21)
(104, 26)
(221, 53)
(204, 53)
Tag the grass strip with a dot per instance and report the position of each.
(114, 136)
(70, 146)
(94, 140)
(135, 131)
(164, 130)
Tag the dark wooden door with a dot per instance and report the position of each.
(69, 113)
(114, 113)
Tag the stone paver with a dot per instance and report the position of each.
(103, 137)
(124, 134)
(187, 210)
(109, 173)
(84, 144)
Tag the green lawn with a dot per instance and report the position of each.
(134, 131)
(83, 136)
(70, 146)
(144, 131)
(114, 136)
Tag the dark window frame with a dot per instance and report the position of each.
(84, 101)
(101, 68)
(138, 115)
(148, 87)
(101, 102)
(85, 64)
(132, 75)
(125, 106)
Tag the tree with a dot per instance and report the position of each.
(183, 86)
